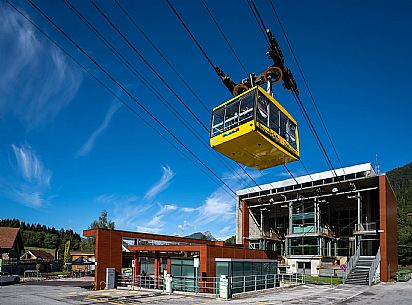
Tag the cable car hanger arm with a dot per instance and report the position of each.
(270, 75)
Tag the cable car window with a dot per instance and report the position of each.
(274, 115)
(231, 115)
(291, 132)
(262, 112)
(217, 121)
(283, 122)
(246, 107)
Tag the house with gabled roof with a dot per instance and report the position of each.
(11, 244)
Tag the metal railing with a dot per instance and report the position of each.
(141, 281)
(365, 227)
(237, 284)
(351, 263)
(247, 283)
(374, 268)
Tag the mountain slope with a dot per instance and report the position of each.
(401, 182)
(202, 235)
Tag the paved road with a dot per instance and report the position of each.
(399, 294)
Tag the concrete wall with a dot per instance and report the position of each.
(293, 265)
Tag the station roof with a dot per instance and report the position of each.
(365, 168)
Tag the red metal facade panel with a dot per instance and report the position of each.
(245, 223)
(109, 252)
(108, 255)
(389, 225)
(148, 236)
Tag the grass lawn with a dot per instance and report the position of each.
(323, 279)
(400, 268)
(51, 251)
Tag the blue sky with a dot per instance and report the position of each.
(69, 149)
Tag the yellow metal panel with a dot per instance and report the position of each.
(255, 145)
(232, 133)
(255, 150)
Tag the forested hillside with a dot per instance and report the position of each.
(401, 181)
(37, 235)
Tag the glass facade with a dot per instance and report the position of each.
(304, 246)
(303, 218)
(248, 275)
(183, 273)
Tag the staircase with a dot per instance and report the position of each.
(359, 275)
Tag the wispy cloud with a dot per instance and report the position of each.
(156, 224)
(37, 81)
(89, 144)
(31, 180)
(162, 184)
(30, 167)
(183, 227)
(127, 209)
(218, 209)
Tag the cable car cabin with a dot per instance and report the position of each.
(255, 130)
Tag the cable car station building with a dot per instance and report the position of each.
(153, 254)
(319, 223)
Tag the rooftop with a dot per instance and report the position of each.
(365, 168)
(7, 237)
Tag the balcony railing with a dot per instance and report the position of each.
(364, 227)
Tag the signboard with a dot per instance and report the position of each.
(196, 262)
(132, 263)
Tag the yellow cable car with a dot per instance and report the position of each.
(255, 130)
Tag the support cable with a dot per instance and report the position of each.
(139, 116)
(145, 82)
(148, 64)
(224, 37)
(328, 160)
(306, 83)
(211, 64)
(237, 57)
(157, 74)
(129, 94)
(161, 54)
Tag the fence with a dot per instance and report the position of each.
(210, 285)
(141, 281)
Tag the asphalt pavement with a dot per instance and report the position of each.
(69, 292)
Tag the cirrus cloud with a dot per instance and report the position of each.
(37, 80)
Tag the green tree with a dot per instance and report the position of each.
(102, 222)
(89, 243)
(50, 241)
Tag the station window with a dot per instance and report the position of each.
(304, 246)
